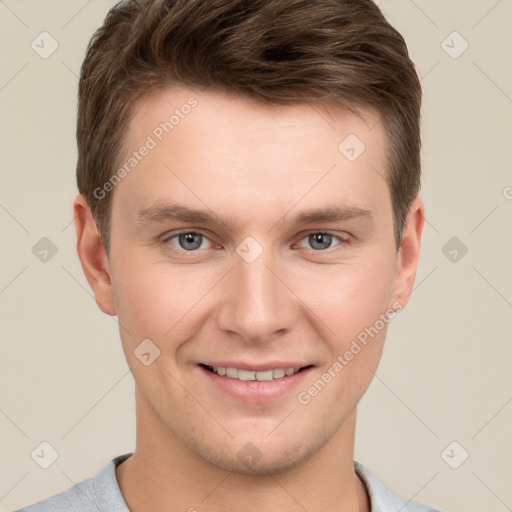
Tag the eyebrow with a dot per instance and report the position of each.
(178, 212)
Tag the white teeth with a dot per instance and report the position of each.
(280, 372)
(246, 375)
(232, 373)
(265, 375)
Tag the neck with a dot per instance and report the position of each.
(164, 471)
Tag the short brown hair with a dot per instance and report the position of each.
(276, 51)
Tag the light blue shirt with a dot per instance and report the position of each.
(101, 493)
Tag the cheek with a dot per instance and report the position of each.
(160, 302)
(350, 301)
(148, 295)
(349, 297)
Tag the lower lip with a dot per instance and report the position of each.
(255, 390)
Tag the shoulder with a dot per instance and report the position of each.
(96, 494)
(383, 499)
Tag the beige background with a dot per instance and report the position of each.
(446, 370)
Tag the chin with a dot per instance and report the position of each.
(255, 459)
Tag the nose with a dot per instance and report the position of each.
(257, 304)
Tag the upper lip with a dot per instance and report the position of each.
(244, 365)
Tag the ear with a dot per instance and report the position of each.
(92, 255)
(409, 252)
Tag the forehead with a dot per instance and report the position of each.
(161, 112)
(215, 149)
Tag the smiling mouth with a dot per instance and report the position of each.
(247, 375)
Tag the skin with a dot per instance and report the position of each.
(256, 166)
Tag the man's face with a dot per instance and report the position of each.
(260, 291)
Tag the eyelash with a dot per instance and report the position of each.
(342, 241)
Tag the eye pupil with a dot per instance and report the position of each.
(191, 240)
(324, 239)
(187, 242)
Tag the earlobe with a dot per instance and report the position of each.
(92, 255)
(408, 256)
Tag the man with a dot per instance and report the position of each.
(248, 175)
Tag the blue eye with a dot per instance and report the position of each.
(320, 240)
(189, 240)
(192, 241)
